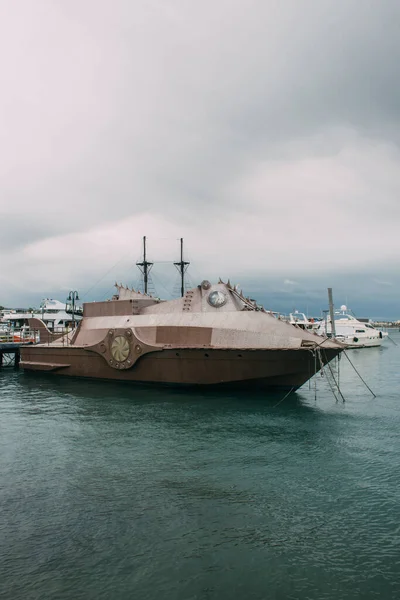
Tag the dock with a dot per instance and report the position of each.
(10, 346)
(10, 354)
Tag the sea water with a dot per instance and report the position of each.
(109, 491)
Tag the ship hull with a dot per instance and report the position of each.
(248, 369)
(348, 342)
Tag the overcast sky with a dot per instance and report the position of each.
(265, 132)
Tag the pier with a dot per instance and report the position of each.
(9, 354)
(10, 346)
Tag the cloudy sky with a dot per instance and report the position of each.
(265, 132)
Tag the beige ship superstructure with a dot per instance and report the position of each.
(212, 336)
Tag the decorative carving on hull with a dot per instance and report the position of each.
(121, 348)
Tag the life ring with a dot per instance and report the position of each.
(355, 339)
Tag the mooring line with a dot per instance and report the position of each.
(336, 382)
(284, 398)
(323, 374)
(364, 382)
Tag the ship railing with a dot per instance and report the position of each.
(60, 335)
(19, 336)
(63, 336)
(24, 335)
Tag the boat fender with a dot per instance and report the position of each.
(380, 334)
(355, 339)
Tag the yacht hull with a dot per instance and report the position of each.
(349, 342)
(250, 369)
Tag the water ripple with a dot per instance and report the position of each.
(110, 491)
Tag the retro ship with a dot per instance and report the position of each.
(212, 336)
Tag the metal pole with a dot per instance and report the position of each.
(146, 279)
(73, 296)
(145, 266)
(330, 298)
(182, 266)
(182, 272)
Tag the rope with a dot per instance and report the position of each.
(366, 385)
(333, 377)
(323, 374)
(284, 398)
(101, 278)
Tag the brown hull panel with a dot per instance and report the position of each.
(256, 369)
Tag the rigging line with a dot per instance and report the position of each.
(108, 292)
(364, 382)
(193, 267)
(161, 262)
(158, 283)
(101, 278)
(333, 377)
(164, 238)
(284, 398)
(392, 340)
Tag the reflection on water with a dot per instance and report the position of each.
(113, 491)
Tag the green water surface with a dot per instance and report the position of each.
(113, 492)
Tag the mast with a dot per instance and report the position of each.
(333, 330)
(145, 266)
(182, 267)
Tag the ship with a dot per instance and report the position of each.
(211, 337)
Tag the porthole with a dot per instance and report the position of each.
(217, 299)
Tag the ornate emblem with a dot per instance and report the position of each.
(120, 348)
(217, 299)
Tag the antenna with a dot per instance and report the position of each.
(145, 266)
(182, 267)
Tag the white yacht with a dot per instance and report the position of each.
(3, 329)
(56, 316)
(300, 319)
(350, 331)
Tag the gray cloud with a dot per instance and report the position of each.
(267, 126)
